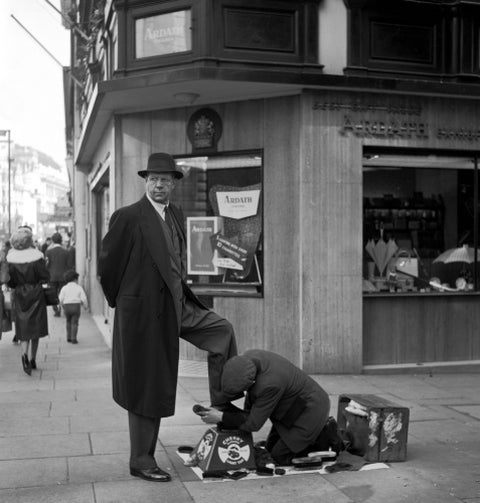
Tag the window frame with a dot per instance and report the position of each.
(231, 288)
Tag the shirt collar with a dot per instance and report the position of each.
(158, 206)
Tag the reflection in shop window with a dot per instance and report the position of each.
(420, 231)
(221, 197)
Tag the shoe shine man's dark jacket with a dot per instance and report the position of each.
(297, 406)
(136, 278)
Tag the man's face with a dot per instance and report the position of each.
(160, 186)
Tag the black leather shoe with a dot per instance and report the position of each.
(151, 474)
(199, 409)
(33, 364)
(335, 440)
(26, 365)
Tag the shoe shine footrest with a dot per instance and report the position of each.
(225, 450)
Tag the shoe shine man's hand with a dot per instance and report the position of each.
(211, 416)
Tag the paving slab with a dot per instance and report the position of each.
(444, 431)
(137, 491)
(84, 408)
(25, 409)
(390, 486)
(40, 426)
(470, 410)
(42, 446)
(34, 395)
(99, 422)
(71, 493)
(107, 442)
(98, 468)
(303, 489)
(33, 472)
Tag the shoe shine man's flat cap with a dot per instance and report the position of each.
(161, 163)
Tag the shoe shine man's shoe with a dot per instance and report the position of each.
(335, 440)
(151, 474)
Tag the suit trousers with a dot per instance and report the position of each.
(208, 331)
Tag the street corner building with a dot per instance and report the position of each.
(330, 158)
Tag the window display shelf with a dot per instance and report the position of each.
(414, 223)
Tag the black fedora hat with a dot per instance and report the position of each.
(161, 163)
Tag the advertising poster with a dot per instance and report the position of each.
(201, 255)
(240, 208)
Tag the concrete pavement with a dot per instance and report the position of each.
(64, 440)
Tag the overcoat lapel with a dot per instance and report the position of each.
(155, 240)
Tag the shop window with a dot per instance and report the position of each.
(420, 223)
(221, 197)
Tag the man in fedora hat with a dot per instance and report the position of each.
(142, 269)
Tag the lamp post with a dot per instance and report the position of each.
(3, 133)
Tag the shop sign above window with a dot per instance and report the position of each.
(163, 34)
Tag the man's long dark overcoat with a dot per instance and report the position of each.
(136, 278)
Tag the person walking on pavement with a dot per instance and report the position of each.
(72, 296)
(5, 316)
(46, 245)
(28, 271)
(142, 270)
(277, 390)
(58, 261)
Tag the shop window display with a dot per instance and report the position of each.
(221, 198)
(420, 227)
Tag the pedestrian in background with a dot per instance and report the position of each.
(72, 297)
(71, 254)
(28, 271)
(142, 270)
(8, 296)
(58, 264)
(46, 245)
(5, 316)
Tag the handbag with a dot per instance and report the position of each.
(7, 300)
(405, 263)
(6, 324)
(51, 295)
